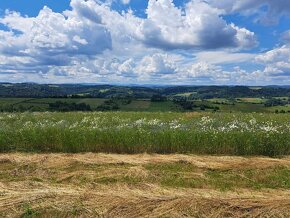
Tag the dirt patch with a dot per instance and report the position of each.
(195, 114)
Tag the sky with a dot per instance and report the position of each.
(158, 42)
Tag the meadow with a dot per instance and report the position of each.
(140, 132)
(246, 105)
(144, 164)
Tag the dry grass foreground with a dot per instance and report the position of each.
(108, 185)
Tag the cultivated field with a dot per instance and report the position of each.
(111, 185)
(139, 132)
(144, 164)
(145, 105)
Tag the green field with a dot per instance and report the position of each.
(252, 100)
(42, 104)
(223, 105)
(138, 132)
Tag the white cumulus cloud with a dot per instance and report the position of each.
(276, 61)
(268, 11)
(169, 44)
(197, 25)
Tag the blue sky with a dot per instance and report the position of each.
(219, 42)
(32, 7)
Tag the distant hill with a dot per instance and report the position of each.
(33, 90)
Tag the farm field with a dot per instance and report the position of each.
(42, 104)
(246, 105)
(138, 132)
(144, 164)
(143, 185)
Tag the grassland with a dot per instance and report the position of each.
(108, 185)
(252, 100)
(144, 164)
(42, 104)
(138, 132)
(145, 105)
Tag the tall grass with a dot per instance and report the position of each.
(136, 132)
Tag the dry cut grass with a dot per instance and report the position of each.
(109, 185)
